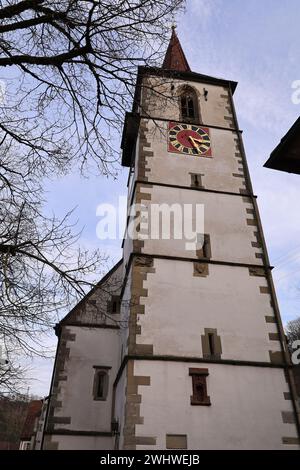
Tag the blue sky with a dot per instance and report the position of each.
(256, 43)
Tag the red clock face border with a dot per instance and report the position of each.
(189, 139)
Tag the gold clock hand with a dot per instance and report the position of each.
(193, 140)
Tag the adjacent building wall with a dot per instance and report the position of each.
(89, 339)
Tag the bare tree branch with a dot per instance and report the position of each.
(69, 67)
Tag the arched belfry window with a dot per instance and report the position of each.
(189, 105)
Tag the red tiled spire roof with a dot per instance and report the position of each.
(175, 58)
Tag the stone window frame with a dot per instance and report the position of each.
(205, 250)
(186, 90)
(196, 180)
(211, 344)
(199, 378)
(103, 372)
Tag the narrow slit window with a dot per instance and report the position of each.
(100, 385)
(100, 388)
(206, 246)
(211, 343)
(204, 250)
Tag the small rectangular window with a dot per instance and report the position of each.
(25, 445)
(196, 180)
(199, 385)
(114, 305)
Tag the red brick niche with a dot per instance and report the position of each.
(199, 396)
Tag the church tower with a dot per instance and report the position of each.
(204, 362)
(180, 345)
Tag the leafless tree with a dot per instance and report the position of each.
(67, 71)
(70, 72)
(293, 332)
(12, 374)
(41, 269)
(12, 379)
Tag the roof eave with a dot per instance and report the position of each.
(193, 76)
(279, 158)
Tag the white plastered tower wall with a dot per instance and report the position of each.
(175, 304)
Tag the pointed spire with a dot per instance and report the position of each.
(175, 58)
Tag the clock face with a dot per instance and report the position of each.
(189, 139)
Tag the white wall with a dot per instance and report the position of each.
(120, 404)
(174, 168)
(162, 101)
(245, 411)
(93, 346)
(225, 220)
(179, 306)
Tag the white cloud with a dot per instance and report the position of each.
(201, 10)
